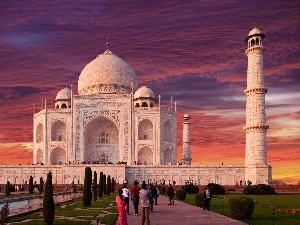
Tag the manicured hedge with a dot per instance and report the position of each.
(241, 207)
(216, 189)
(181, 194)
(259, 189)
(191, 189)
(199, 200)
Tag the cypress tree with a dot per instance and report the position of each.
(104, 184)
(30, 187)
(108, 186)
(95, 186)
(112, 185)
(87, 193)
(41, 186)
(48, 201)
(7, 189)
(101, 185)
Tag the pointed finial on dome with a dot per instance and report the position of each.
(107, 43)
(254, 25)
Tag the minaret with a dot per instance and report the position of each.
(256, 127)
(186, 143)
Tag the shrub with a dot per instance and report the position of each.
(7, 189)
(181, 194)
(41, 186)
(216, 189)
(95, 186)
(48, 201)
(108, 186)
(104, 184)
(259, 189)
(100, 192)
(87, 193)
(191, 189)
(4, 214)
(30, 187)
(199, 200)
(113, 185)
(162, 190)
(241, 207)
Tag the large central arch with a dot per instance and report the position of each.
(101, 141)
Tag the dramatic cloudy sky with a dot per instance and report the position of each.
(191, 50)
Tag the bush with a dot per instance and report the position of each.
(241, 207)
(87, 193)
(48, 201)
(216, 189)
(7, 189)
(162, 190)
(181, 194)
(259, 189)
(191, 189)
(4, 214)
(199, 200)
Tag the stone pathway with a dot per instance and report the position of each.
(180, 214)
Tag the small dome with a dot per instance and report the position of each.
(254, 31)
(186, 116)
(107, 74)
(144, 92)
(63, 94)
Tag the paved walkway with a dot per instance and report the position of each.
(180, 214)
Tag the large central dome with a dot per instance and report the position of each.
(107, 74)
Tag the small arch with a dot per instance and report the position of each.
(167, 131)
(144, 104)
(257, 41)
(39, 156)
(57, 106)
(58, 131)
(145, 130)
(64, 105)
(252, 42)
(145, 156)
(151, 105)
(58, 156)
(137, 104)
(167, 156)
(39, 133)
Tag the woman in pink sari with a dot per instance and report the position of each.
(122, 220)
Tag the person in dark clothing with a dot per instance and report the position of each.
(207, 197)
(170, 194)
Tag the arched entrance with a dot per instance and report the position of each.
(101, 141)
(58, 156)
(145, 156)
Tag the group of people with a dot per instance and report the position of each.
(146, 197)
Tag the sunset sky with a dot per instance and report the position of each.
(191, 50)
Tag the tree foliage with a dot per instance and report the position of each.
(87, 193)
(4, 213)
(191, 188)
(113, 183)
(104, 184)
(108, 186)
(48, 201)
(41, 186)
(181, 194)
(259, 189)
(30, 187)
(7, 189)
(241, 207)
(95, 186)
(101, 185)
(216, 189)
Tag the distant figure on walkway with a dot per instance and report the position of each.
(145, 196)
(122, 219)
(126, 194)
(135, 197)
(170, 194)
(207, 197)
(153, 193)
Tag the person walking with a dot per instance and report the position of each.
(135, 197)
(126, 194)
(121, 204)
(207, 197)
(155, 193)
(170, 194)
(145, 196)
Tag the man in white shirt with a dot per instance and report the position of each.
(126, 194)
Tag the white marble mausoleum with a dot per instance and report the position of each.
(116, 127)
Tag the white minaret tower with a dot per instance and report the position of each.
(256, 127)
(186, 143)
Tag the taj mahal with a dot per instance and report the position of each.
(114, 126)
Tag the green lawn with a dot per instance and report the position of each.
(267, 208)
(75, 213)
